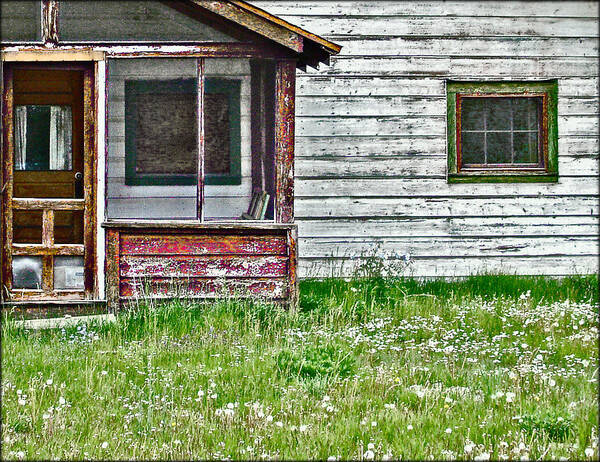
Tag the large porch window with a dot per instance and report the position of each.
(191, 139)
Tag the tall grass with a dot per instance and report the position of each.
(503, 367)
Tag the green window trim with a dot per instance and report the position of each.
(549, 173)
(229, 87)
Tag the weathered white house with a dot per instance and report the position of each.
(374, 146)
(200, 146)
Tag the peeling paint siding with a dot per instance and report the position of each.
(371, 136)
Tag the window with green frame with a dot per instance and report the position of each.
(502, 131)
(161, 132)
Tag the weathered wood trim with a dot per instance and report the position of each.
(68, 296)
(52, 55)
(100, 69)
(52, 204)
(292, 244)
(275, 32)
(200, 164)
(194, 225)
(89, 179)
(284, 140)
(48, 228)
(48, 249)
(6, 186)
(100, 51)
(112, 275)
(50, 22)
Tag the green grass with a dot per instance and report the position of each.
(400, 368)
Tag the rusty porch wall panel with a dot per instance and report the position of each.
(167, 263)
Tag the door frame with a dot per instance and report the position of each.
(90, 160)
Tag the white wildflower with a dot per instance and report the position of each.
(373, 424)
(510, 396)
(369, 455)
(303, 428)
(104, 372)
(49, 382)
(483, 456)
(409, 427)
(448, 430)
(279, 424)
(22, 402)
(448, 400)
(589, 452)
(331, 459)
(552, 382)
(45, 416)
(420, 393)
(370, 446)
(469, 448)
(20, 455)
(269, 418)
(61, 401)
(104, 445)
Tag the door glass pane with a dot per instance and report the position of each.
(68, 273)
(68, 227)
(43, 137)
(27, 226)
(27, 272)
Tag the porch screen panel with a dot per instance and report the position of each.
(133, 21)
(238, 160)
(20, 21)
(152, 138)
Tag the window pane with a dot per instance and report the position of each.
(472, 148)
(43, 137)
(20, 21)
(498, 148)
(526, 148)
(499, 113)
(161, 125)
(68, 273)
(27, 226)
(217, 129)
(472, 113)
(526, 115)
(152, 138)
(27, 272)
(131, 20)
(68, 227)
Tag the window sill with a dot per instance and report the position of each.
(503, 177)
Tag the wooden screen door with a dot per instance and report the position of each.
(48, 199)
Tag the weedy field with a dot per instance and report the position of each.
(490, 367)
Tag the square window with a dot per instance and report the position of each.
(502, 131)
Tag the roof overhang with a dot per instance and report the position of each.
(309, 48)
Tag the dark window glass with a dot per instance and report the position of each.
(500, 131)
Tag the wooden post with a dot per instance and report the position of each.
(292, 242)
(6, 186)
(89, 180)
(50, 22)
(285, 89)
(112, 270)
(200, 170)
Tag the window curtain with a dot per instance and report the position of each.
(60, 138)
(20, 137)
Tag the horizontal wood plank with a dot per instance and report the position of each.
(183, 244)
(204, 288)
(203, 266)
(51, 204)
(40, 249)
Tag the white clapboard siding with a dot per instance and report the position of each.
(460, 246)
(459, 266)
(458, 206)
(437, 186)
(410, 166)
(513, 9)
(433, 227)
